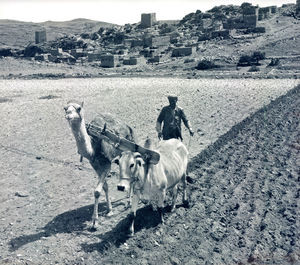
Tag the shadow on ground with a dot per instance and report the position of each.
(66, 222)
(75, 221)
(145, 218)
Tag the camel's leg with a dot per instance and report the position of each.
(109, 206)
(102, 170)
(96, 195)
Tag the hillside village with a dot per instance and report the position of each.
(225, 36)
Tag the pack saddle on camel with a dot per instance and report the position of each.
(100, 142)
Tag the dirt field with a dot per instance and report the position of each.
(244, 203)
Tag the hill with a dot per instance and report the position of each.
(18, 34)
(201, 35)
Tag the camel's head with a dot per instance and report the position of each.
(74, 112)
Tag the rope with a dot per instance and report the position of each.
(44, 158)
(189, 144)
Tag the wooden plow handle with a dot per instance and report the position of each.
(122, 144)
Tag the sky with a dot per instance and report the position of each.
(112, 11)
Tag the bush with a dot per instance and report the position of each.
(6, 52)
(32, 50)
(257, 56)
(274, 62)
(85, 35)
(206, 64)
(246, 60)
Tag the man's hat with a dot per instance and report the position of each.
(172, 97)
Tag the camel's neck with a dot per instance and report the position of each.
(83, 140)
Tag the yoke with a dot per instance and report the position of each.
(121, 143)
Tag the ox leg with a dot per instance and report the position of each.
(134, 205)
(184, 195)
(129, 196)
(174, 197)
(160, 205)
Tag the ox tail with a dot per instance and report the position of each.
(182, 150)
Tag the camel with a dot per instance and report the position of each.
(99, 152)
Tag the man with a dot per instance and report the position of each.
(171, 117)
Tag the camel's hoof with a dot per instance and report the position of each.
(94, 226)
(92, 229)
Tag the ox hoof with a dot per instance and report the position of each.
(110, 213)
(127, 206)
(131, 234)
(186, 204)
(172, 208)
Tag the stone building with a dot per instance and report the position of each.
(234, 23)
(264, 13)
(136, 43)
(95, 56)
(78, 53)
(157, 41)
(147, 20)
(56, 51)
(108, 61)
(40, 36)
(250, 16)
(183, 51)
(43, 57)
(224, 34)
(273, 9)
(132, 61)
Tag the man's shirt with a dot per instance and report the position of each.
(172, 121)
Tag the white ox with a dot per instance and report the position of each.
(149, 182)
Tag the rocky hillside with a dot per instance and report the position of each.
(204, 35)
(18, 34)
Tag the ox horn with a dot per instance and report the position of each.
(116, 160)
(137, 155)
